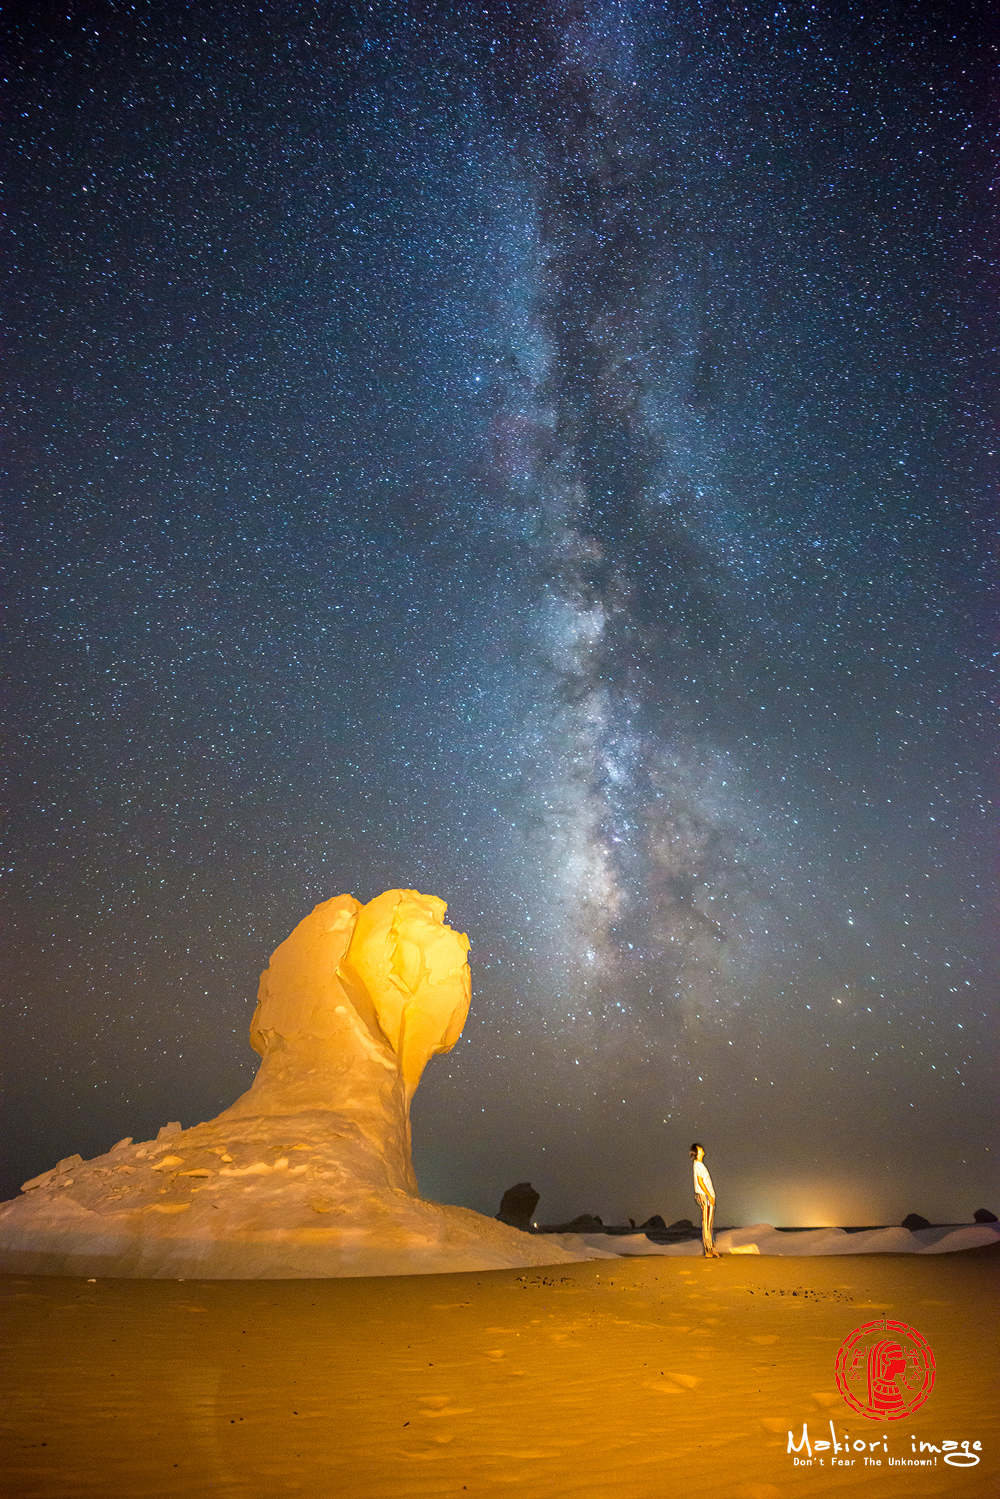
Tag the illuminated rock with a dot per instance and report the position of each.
(350, 1010)
(309, 1172)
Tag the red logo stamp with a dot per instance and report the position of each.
(885, 1370)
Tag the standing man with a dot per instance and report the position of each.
(704, 1196)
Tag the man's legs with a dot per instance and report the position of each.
(707, 1227)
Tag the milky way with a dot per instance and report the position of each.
(536, 455)
(634, 613)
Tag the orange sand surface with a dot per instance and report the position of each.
(676, 1377)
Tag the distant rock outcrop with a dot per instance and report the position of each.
(913, 1221)
(584, 1223)
(517, 1206)
(983, 1215)
(309, 1172)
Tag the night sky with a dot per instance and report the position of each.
(540, 454)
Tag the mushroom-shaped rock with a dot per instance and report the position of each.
(309, 1172)
(349, 1011)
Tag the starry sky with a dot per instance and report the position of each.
(542, 455)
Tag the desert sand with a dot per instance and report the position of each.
(664, 1375)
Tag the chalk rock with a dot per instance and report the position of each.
(352, 1007)
(309, 1172)
(517, 1205)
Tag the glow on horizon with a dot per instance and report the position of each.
(804, 1202)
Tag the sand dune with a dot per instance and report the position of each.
(670, 1375)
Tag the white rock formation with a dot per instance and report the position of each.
(309, 1172)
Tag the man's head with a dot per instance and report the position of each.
(697, 1152)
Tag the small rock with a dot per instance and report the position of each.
(981, 1215)
(38, 1181)
(167, 1130)
(913, 1221)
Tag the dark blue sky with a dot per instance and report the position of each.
(543, 456)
